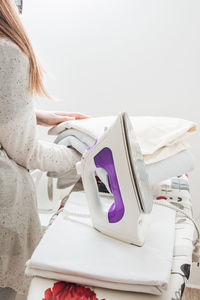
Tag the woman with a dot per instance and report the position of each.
(20, 79)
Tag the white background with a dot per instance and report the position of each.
(106, 56)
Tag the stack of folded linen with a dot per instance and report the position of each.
(72, 250)
(162, 142)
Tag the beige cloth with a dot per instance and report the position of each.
(19, 223)
(159, 137)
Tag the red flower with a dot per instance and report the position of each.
(69, 291)
(161, 197)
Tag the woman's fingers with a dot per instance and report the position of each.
(59, 119)
(52, 118)
(76, 115)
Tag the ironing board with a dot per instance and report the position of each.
(175, 189)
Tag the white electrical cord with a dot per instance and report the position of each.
(196, 251)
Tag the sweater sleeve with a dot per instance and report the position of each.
(18, 133)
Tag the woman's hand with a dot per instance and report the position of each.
(53, 118)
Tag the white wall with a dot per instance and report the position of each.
(105, 56)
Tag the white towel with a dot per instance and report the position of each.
(159, 137)
(72, 250)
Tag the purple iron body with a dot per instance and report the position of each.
(104, 160)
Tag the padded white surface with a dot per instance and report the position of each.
(72, 250)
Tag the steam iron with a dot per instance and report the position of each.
(119, 154)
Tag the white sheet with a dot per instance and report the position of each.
(72, 250)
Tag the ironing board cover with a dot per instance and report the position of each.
(175, 189)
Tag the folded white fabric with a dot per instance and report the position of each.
(72, 250)
(159, 137)
(174, 165)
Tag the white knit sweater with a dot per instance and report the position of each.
(20, 229)
(18, 118)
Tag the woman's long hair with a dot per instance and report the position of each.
(12, 28)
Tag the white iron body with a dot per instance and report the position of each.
(125, 220)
